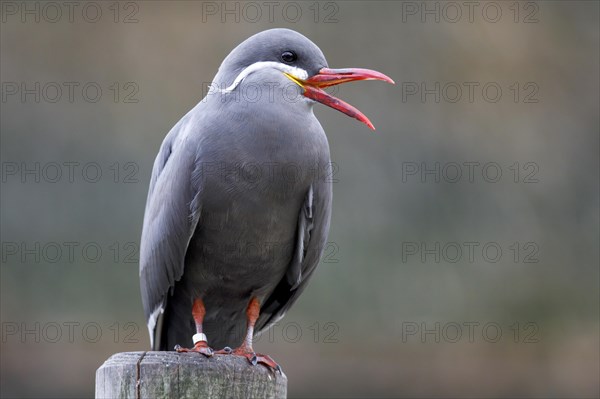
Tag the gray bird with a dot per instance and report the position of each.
(239, 203)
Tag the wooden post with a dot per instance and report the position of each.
(186, 375)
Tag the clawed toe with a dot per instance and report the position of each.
(225, 351)
(252, 357)
(200, 347)
(266, 360)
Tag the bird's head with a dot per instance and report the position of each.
(291, 55)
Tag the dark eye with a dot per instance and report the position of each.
(288, 56)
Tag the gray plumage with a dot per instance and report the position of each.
(239, 200)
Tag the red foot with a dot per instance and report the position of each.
(253, 358)
(200, 347)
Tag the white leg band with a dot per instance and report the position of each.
(199, 337)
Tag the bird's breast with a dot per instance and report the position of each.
(251, 194)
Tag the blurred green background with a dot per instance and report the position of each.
(388, 312)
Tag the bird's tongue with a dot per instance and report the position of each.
(313, 88)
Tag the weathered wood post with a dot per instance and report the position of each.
(185, 375)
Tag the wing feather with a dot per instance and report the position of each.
(171, 215)
(313, 227)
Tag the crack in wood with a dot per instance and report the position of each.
(138, 376)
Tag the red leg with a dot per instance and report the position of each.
(200, 344)
(245, 349)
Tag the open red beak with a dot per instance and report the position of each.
(313, 88)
